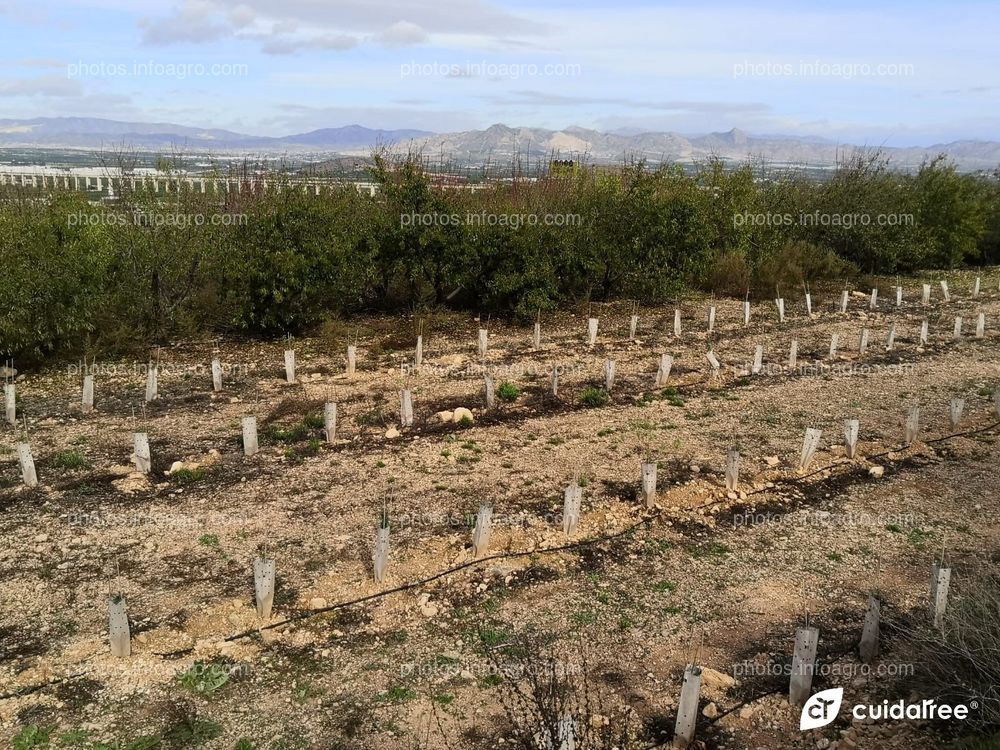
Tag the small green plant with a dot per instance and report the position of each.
(292, 434)
(507, 391)
(397, 694)
(672, 397)
(70, 460)
(192, 731)
(710, 551)
(594, 397)
(303, 691)
(74, 738)
(205, 679)
(314, 421)
(188, 476)
(30, 737)
(209, 540)
(918, 537)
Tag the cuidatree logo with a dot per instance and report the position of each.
(821, 708)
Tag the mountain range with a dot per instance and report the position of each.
(497, 143)
(92, 132)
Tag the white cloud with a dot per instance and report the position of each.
(241, 16)
(193, 22)
(287, 45)
(317, 23)
(51, 85)
(401, 34)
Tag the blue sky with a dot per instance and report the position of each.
(892, 73)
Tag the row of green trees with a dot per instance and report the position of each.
(267, 260)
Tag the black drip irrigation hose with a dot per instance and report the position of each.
(852, 463)
(564, 547)
(442, 574)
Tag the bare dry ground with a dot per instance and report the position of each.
(636, 594)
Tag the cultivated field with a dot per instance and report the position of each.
(440, 653)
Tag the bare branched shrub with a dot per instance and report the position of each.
(551, 701)
(960, 663)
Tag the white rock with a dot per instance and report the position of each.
(877, 471)
(443, 416)
(392, 432)
(462, 413)
(710, 711)
(716, 680)
(772, 460)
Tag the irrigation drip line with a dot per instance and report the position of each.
(849, 462)
(29, 689)
(449, 571)
(549, 550)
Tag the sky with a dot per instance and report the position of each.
(875, 73)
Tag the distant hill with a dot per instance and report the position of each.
(90, 132)
(497, 143)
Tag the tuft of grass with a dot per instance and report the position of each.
(70, 460)
(209, 540)
(594, 397)
(314, 421)
(672, 397)
(291, 434)
(918, 537)
(31, 736)
(507, 391)
(713, 550)
(188, 476)
(396, 694)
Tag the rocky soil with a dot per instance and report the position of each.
(423, 659)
